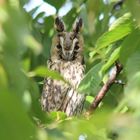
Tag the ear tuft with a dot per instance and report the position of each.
(77, 26)
(59, 25)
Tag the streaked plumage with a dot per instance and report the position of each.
(67, 59)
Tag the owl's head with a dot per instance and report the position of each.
(67, 46)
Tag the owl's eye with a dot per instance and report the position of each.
(76, 47)
(58, 46)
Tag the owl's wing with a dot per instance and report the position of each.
(53, 91)
(73, 102)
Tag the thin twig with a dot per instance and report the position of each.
(117, 69)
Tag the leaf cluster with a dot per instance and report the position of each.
(25, 43)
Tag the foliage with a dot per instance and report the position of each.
(24, 49)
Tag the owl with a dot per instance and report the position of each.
(67, 59)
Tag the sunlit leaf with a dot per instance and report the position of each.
(57, 116)
(89, 99)
(124, 20)
(114, 56)
(45, 72)
(26, 64)
(121, 27)
(27, 100)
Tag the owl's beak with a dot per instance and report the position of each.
(67, 47)
(68, 55)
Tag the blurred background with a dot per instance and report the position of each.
(111, 33)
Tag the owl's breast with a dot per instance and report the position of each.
(72, 72)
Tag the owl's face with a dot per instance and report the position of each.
(67, 46)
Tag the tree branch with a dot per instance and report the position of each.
(116, 70)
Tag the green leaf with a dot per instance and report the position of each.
(91, 81)
(30, 42)
(26, 63)
(134, 7)
(57, 116)
(125, 19)
(45, 72)
(89, 99)
(56, 3)
(132, 91)
(130, 45)
(121, 27)
(133, 65)
(133, 76)
(14, 122)
(114, 56)
(40, 15)
(49, 23)
(23, 2)
(34, 10)
(3, 80)
(70, 18)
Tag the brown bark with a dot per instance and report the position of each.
(99, 97)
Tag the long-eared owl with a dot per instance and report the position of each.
(67, 59)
